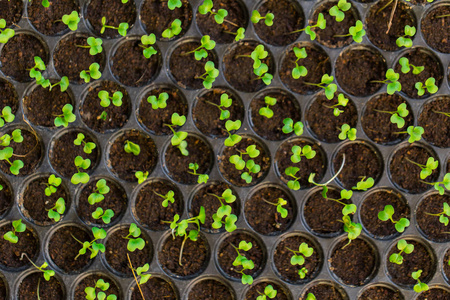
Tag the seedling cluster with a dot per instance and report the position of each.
(240, 164)
(243, 262)
(269, 293)
(224, 211)
(92, 246)
(106, 100)
(300, 256)
(98, 291)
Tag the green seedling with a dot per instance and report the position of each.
(257, 55)
(178, 138)
(311, 296)
(393, 85)
(52, 185)
(232, 139)
(347, 132)
(338, 11)
(387, 214)
(239, 163)
(262, 74)
(279, 204)
(146, 42)
(57, 210)
(141, 176)
(225, 211)
(406, 66)
(269, 293)
(11, 236)
(87, 146)
(202, 178)
(398, 115)
(209, 76)
(134, 241)
(415, 133)
(241, 260)
(97, 195)
(299, 256)
(259, 68)
(357, 32)
(326, 84)
(427, 169)
(63, 84)
(342, 101)
(403, 246)
(94, 45)
(225, 102)
(256, 17)
(443, 215)
(266, 111)
(15, 166)
(364, 184)
(66, 117)
(200, 52)
(240, 33)
(93, 246)
(173, 30)
(290, 126)
(299, 71)
(430, 86)
(353, 229)
(447, 114)
(71, 20)
(321, 23)
(131, 147)
(292, 172)
(91, 292)
(406, 40)
(437, 185)
(325, 185)
(169, 197)
(349, 208)
(206, 8)
(81, 177)
(16, 136)
(5, 34)
(158, 102)
(48, 274)
(122, 29)
(93, 72)
(106, 215)
(105, 99)
(38, 65)
(298, 152)
(172, 4)
(141, 272)
(419, 286)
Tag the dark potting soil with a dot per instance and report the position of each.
(90, 109)
(361, 160)
(405, 174)
(17, 56)
(116, 254)
(430, 225)
(63, 249)
(258, 289)
(325, 291)
(377, 23)
(357, 68)
(436, 125)
(380, 293)
(282, 260)
(238, 67)
(129, 65)
(29, 151)
(13, 255)
(155, 288)
(374, 203)
(154, 120)
(90, 281)
(124, 165)
(157, 23)
(226, 254)
(446, 266)
(3, 290)
(437, 39)
(115, 12)
(51, 290)
(210, 289)
(377, 125)
(148, 207)
(233, 175)
(11, 11)
(70, 48)
(419, 259)
(194, 258)
(185, 69)
(36, 204)
(271, 128)
(42, 105)
(317, 63)
(203, 198)
(329, 36)
(289, 18)
(63, 152)
(433, 68)
(220, 33)
(177, 165)
(322, 216)
(318, 112)
(435, 294)
(206, 116)
(48, 20)
(8, 96)
(263, 217)
(6, 197)
(116, 200)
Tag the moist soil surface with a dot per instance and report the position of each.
(317, 63)
(9, 96)
(11, 254)
(17, 56)
(155, 288)
(430, 225)
(90, 280)
(376, 202)
(194, 258)
(282, 260)
(354, 263)
(435, 294)
(288, 18)
(69, 49)
(116, 200)
(357, 68)
(63, 249)
(271, 128)
(11, 11)
(6, 197)
(329, 131)
(446, 266)
(325, 291)
(177, 165)
(229, 171)
(377, 124)
(210, 289)
(437, 39)
(257, 289)
(380, 293)
(51, 290)
(206, 116)
(63, 153)
(124, 165)
(406, 175)
(129, 65)
(3, 290)
(148, 207)
(154, 119)
(436, 125)
(47, 20)
(90, 109)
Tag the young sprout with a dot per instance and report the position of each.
(5, 34)
(225, 102)
(158, 102)
(269, 292)
(415, 133)
(398, 115)
(299, 257)
(348, 208)
(71, 20)
(256, 17)
(98, 194)
(240, 34)
(298, 152)
(169, 197)
(353, 229)
(393, 85)
(140, 271)
(447, 114)
(232, 139)
(87, 146)
(48, 274)
(173, 30)
(172, 4)
(239, 163)
(427, 169)
(292, 172)
(91, 292)
(200, 52)
(357, 32)
(106, 215)
(321, 23)
(6, 154)
(66, 117)
(16, 136)
(342, 101)
(81, 177)
(40, 65)
(93, 247)
(241, 260)
(437, 185)
(279, 204)
(324, 185)
(406, 66)
(11, 236)
(141, 176)
(93, 72)
(53, 183)
(122, 29)
(257, 54)
(311, 296)
(266, 111)
(262, 74)
(290, 126)
(347, 132)
(202, 178)
(364, 184)
(94, 45)
(403, 246)
(210, 75)
(430, 86)
(146, 42)
(225, 211)
(57, 210)
(299, 71)
(338, 10)
(131, 147)
(134, 241)
(419, 286)
(207, 6)
(326, 84)
(405, 41)
(443, 215)
(63, 84)
(178, 138)
(387, 214)
(105, 99)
